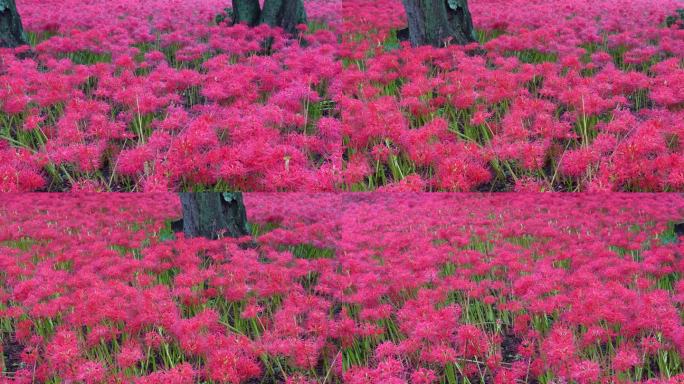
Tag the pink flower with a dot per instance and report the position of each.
(423, 376)
(130, 354)
(625, 358)
(586, 372)
(91, 372)
(181, 374)
(231, 366)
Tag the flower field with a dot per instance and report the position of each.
(166, 96)
(524, 288)
(152, 95)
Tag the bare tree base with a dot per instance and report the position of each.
(11, 31)
(214, 215)
(439, 22)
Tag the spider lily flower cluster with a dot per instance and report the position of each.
(95, 288)
(155, 96)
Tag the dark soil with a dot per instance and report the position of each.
(679, 229)
(177, 226)
(509, 347)
(11, 353)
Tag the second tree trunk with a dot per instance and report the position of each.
(439, 22)
(286, 14)
(214, 215)
(246, 11)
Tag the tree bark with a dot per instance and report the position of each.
(286, 14)
(246, 11)
(214, 215)
(439, 22)
(11, 31)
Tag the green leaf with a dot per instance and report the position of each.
(166, 233)
(166, 236)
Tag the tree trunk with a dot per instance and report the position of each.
(439, 22)
(214, 215)
(246, 11)
(11, 32)
(286, 14)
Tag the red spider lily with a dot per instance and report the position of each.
(577, 287)
(148, 99)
